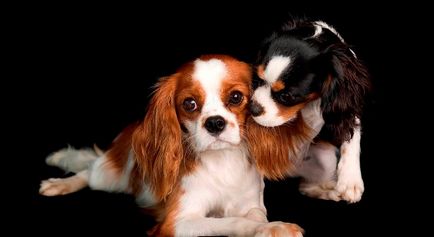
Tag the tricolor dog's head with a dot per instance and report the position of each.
(304, 61)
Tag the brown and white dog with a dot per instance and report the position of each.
(306, 73)
(187, 159)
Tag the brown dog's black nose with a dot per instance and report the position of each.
(255, 108)
(215, 124)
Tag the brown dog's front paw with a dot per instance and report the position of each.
(279, 229)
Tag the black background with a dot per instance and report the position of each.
(88, 72)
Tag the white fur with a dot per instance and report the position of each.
(270, 116)
(211, 75)
(55, 187)
(275, 67)
(330, 28)
(350, 183)
(318, 170)
(146, 198)
(312, 116)
(229, 186)
(103, 177)
(318, 30)
(72, 160)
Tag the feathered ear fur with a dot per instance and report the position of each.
(343, 92)
(157, 142)
(276, 150)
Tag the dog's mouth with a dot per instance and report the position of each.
(271, 121)
(219, 144)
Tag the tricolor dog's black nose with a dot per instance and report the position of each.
(255, 108)
(215, 124)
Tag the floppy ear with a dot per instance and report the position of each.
(276, 150)
(260, 57)
(157, 140)
(344, 89)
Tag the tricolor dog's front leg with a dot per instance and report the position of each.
(322, 179)
(349, 178)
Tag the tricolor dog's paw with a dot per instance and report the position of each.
(324, 191)
(350, 185)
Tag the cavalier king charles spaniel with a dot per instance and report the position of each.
(310, 87)
(188, 158)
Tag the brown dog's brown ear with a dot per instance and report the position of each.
(276, 150)
(344, 91)
(157, 141)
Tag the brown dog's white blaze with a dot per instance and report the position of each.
(238, 80)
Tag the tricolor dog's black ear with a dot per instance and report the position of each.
(345, 84)
(265, 45)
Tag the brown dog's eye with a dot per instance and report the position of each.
(235, 98)
(189, 105)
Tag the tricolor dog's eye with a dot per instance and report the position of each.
(235, 98)
(189, 105)
(285, 98)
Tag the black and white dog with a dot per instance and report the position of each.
(304, 68)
